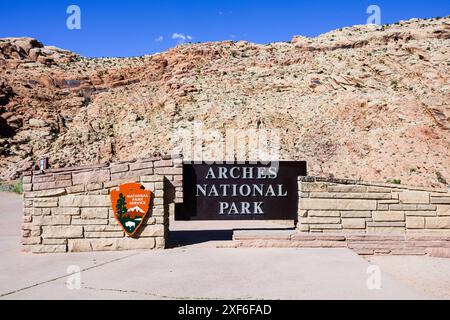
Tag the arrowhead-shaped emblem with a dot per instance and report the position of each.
(131, 204)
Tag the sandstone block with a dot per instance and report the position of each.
(325, 226)
(75, 189)
(347, 188)
(386, 224)
(303, 227)
(421, 213)
(152, 231)
(356, 214)
(54, 241)
(52, 220)
(392, 201)
(46, 193)
(152, 178)
(354, 223)
(312, 187)
(63, 176)
(409, 251)
(319, 213)
(94, 186)
(414, 197)
(437, 222)
(320, 220)
(119, 168)
(135, 244)
(163, 163)
(48, 248)
(109, 234)
(158, 193)
(379, 189)
(402, 207)
(387, 230)
(85, 201)
(66, 211)
(86, 222)
(52, 185)
(415, 222)
(91, 177)
(160, 243)
(168, 171)
(440, 200)
(141, 165)
(389, 216)
(426, 207)
(337, 204)
(157, 212)
(63, 232)
(40, 203)
(31, 240)
(87, 245)
(36, 231)
(443, 210)
(102, 228)
(149, 186)
(94, 213)
(338, 195)
(125, 175)
(143, 172)
(43, 178)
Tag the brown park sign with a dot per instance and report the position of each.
(240, 191)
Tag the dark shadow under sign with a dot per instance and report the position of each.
(240, 191)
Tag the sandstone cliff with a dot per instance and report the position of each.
(355, 103)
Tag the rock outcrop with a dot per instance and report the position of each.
(359, 103)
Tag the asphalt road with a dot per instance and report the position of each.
(187, 272)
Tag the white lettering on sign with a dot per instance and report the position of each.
(257, 190)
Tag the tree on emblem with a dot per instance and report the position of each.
(121, 206)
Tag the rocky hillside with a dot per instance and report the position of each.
(355, 103)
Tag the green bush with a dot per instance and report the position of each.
(14, 186)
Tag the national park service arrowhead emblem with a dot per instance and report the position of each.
(131, 204)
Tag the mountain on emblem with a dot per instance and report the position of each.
(130, 203)
(136, 209)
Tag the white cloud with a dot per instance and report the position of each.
(181, 38)
(159, 39)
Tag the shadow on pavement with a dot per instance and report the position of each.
(190, 237)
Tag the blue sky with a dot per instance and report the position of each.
(132, 28)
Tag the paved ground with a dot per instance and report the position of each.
(430, 276)
(198, 271)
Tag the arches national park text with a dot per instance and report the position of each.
(247, 191)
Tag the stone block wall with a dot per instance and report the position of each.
(69, 210)
(330, 206)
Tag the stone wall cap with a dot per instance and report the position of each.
(96, 166)
(370, 183)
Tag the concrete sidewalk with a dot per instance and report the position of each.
(204, 273)
(187, 272)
